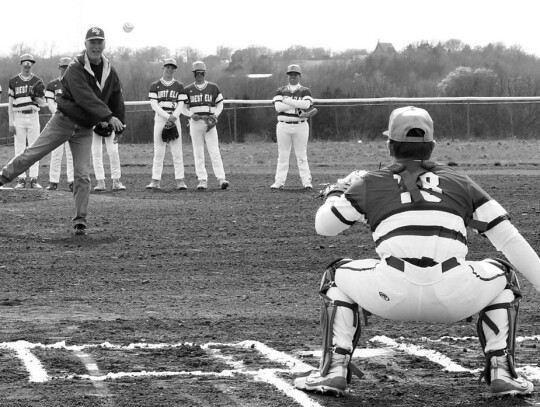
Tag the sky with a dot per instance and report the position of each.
(59, 26)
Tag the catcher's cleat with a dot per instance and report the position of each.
(34, 183)
(181, 185)
(202, 184)
(223, 183)
(80, 229)
(100, 185)
(503, 383)
(70, 187)
(118, 186)
(53, 186)
(21, 183)
(277, 185)
(153, 185)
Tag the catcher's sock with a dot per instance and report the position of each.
(503, 383)
(334, 382)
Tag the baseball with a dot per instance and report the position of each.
(128, 27)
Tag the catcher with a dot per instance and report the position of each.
(418, 212)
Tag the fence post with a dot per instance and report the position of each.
(234, 123)
(337, 125)
(468, 121)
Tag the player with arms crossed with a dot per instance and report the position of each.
(203, 106)
(54, 88)
(418, 212)
(167, 97)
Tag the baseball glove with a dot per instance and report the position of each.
(103, 129)
(169, 132)
(37, 90)
(336, 189)
(211, 122)
(312, 111)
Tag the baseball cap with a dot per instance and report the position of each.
(198, 66)
(95, 33)
(64, 61)
(170, 61)
(294, 68)
(27, 57)
(404, 119)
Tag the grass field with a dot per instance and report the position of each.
(209, 298)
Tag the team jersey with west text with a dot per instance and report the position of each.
(20, 90)
(203, 99)
(54, 88)
(433, 228)
(167, 95)
(302, 93)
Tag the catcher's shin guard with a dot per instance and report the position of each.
(328, 313)
(512, 311)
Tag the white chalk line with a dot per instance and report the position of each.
(38, 373)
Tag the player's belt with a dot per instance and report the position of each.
(399, 264)
(24, 111)
(301, 121)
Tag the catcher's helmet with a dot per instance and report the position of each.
(27, 57)
(64, 61)
(198, 66)
(294, 69)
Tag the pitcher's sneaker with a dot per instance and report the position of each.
(53, 186)
(21, 183)
(118, 186)
(181, 185)
(153, 185)
(277, 185)
(202, 184)
(100, 185)
(332, 383)
(502, 382)
(223, 183)
(34, 183)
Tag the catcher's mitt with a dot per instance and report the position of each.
(169, 132)
(333, 189)
(312, 111)
(37, 90)
(211, 121)
(103, 129)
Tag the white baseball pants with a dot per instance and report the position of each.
(288, 136)
(160, 147)
(26, 129)
(56, 164)
(97, 156)
(199, 135)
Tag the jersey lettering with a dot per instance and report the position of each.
(428, 181)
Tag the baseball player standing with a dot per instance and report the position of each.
(53, 88)
(91, 95)
(111, 144)
(418, 212)
(23, 115)
(167, 97)
(291, 129)
(203, 106)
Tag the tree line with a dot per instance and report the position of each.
(422, 69)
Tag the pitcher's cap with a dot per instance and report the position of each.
(404, 119)
(95, 33)
(294, 68)
(170, 61)
(65, 61)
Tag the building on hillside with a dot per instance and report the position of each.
(384, 48)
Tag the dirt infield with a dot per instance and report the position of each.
(209, 298)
